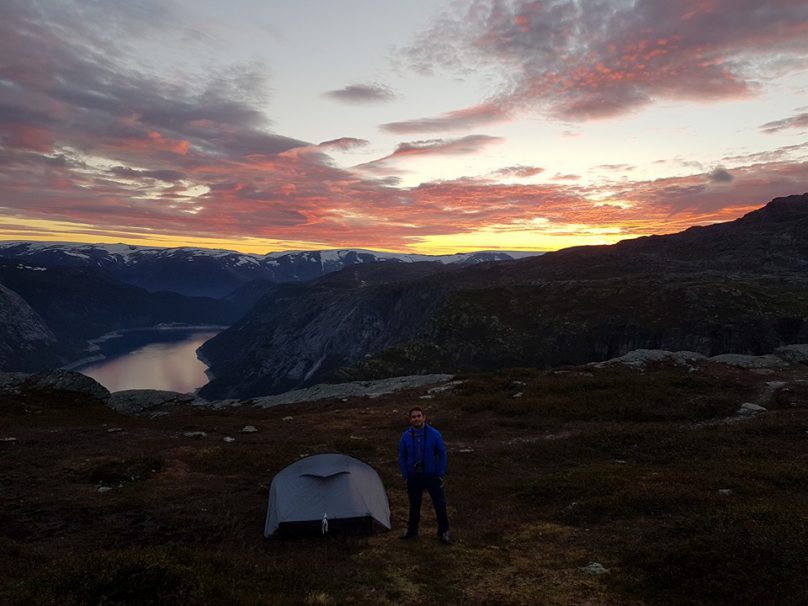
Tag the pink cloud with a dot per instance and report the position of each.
(581, 60)
(300, 195)
(67, 99)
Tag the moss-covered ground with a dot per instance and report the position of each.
(647, 473)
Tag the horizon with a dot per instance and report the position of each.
(358, 249)
(271, 252)
(428, 127)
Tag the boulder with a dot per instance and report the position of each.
(65, 380)
(594, 568)
(748, 409)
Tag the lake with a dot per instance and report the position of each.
(155, 358)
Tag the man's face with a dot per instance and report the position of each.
(417, 419)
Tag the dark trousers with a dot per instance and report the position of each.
(416, 484)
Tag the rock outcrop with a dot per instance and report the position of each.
(783, 357)
(25, 339)
(369, 389)
(65, 381)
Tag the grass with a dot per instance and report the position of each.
(639, 471)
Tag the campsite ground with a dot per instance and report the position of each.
(649, 474)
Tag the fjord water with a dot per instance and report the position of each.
(152, 359)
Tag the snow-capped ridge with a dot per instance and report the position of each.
(215, 273)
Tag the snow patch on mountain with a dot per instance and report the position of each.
(129, 253)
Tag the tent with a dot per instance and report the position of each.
(324, 493)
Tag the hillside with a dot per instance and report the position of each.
(737, 287)
(652, 474)
(26, 342)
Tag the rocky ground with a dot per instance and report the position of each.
(658, 480)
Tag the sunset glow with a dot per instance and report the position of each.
(422, 126)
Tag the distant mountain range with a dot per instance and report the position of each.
(734, 287)
(214, 273)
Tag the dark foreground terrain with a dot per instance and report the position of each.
(650, 474)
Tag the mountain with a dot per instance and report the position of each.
(213, 273)
(298, 334)
(735, 287)
(25, 339)
(72, 305)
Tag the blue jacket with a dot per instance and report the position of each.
(434, 453)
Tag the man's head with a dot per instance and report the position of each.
(417, 417)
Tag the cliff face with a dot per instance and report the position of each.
(737, 287)
(25, 339)
(298, 335)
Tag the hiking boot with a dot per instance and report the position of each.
(444, 538)
(409, 535)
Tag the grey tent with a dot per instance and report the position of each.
(325, 493)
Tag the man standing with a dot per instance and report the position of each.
(422, 458)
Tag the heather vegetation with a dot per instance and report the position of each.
(650, 474)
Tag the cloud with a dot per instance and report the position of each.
(719, 175)
(362, 93)
(461, 119)
(519, 171)
(785, 153)
(433, 147)
(586, 60)
(798, 121)
(70, 87)
(615, 167)
(465, 145)
(91, 141)
(344, 143)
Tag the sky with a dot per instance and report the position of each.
(421, 126)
